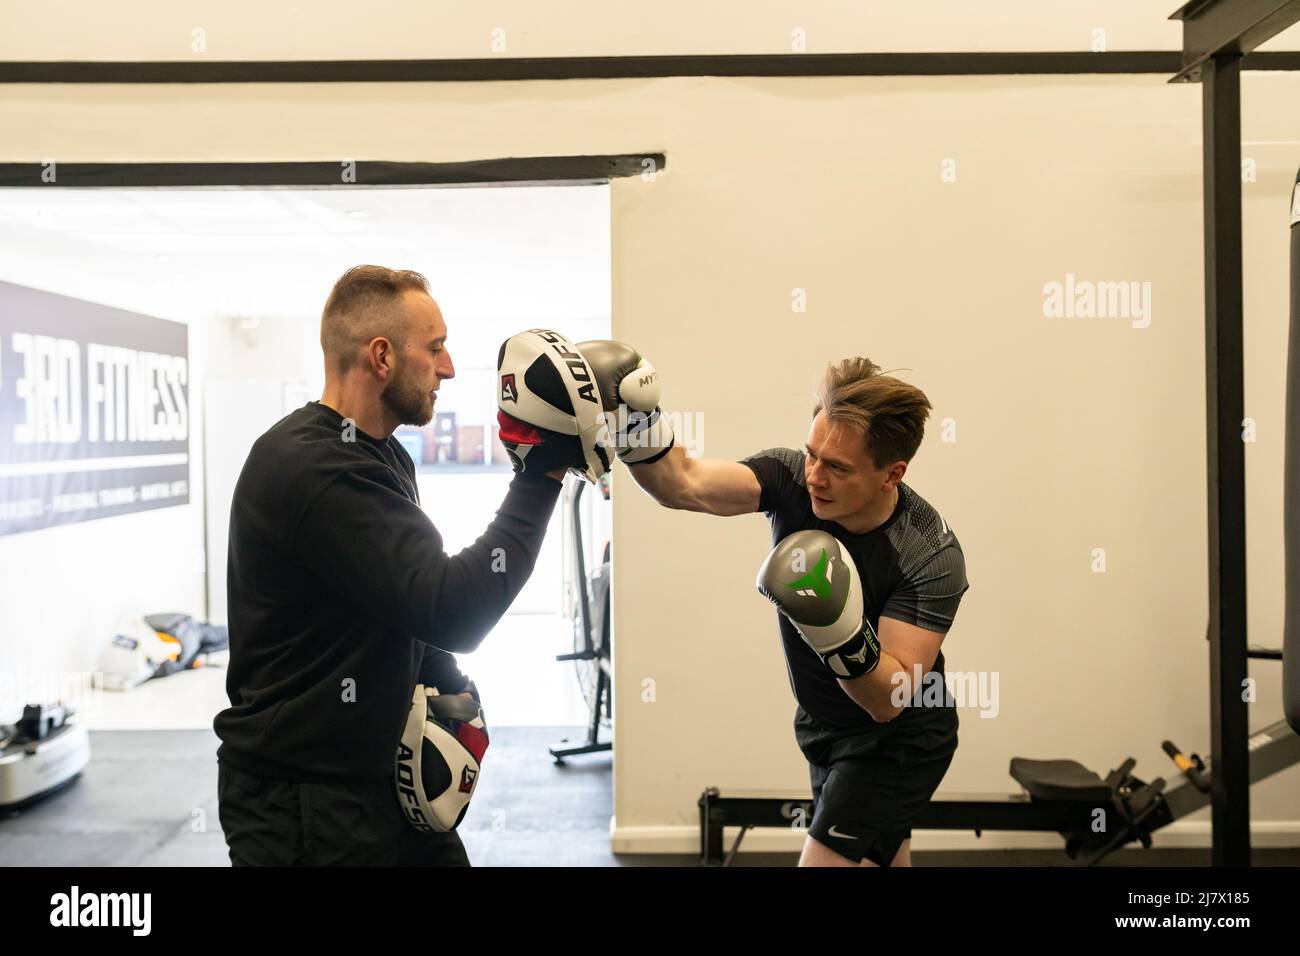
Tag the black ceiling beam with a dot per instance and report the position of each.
(1228, 28)
(486, 69)
(524, 169)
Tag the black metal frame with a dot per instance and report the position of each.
(1135, 808)
(1217, 28)
(1217, 35)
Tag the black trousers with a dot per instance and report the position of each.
(353, 823)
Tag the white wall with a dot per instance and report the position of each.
(64, 589)
(1071, 435)
(158, 30)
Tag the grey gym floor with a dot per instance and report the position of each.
(148, 798)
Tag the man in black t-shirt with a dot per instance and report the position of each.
(878, 744)
(341, 597)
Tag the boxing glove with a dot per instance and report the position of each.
(548, 406)
(811, 578)
(629, 390)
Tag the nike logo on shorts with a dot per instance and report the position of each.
(842, 836)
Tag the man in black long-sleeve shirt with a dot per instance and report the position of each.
(340, 594)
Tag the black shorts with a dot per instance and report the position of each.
(867, 790)
(353, 823)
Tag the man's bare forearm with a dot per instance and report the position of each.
(664, 480)
(874, 692)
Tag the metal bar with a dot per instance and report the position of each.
(1281, 60)
(580, 565)
(998, 812)
(1224, 381)
(758, 811)
(588, 748)
(1272, 750)
(520, 169)
(989, 811)
(489, 69)
(1215, 28)
(710, 835)
(485, 70)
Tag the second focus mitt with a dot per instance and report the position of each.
(439, 758)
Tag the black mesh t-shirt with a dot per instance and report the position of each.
(911, 569)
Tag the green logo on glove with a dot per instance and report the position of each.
(815, 583)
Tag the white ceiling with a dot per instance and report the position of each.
(495, 257)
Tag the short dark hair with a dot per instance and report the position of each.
(360, 307)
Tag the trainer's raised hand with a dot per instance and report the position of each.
(548, 407)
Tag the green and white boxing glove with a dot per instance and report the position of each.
(811, 578)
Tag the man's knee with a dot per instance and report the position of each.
(819, 854)
(816, 853)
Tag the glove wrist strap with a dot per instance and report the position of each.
(648, 437)
(857, 656)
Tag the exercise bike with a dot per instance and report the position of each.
(591, 628)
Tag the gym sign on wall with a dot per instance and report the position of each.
(94, 411)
